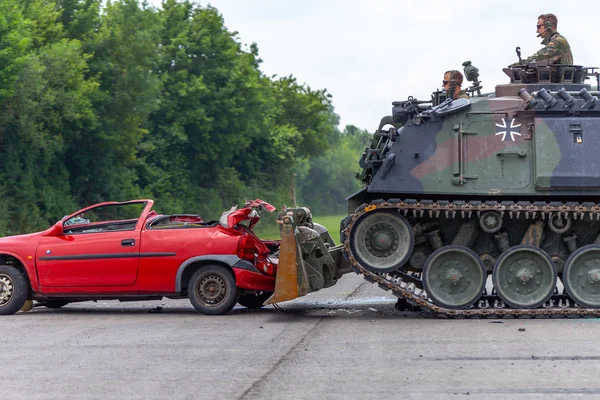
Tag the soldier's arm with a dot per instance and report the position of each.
(551, 53)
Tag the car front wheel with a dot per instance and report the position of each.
(13, 290)
(212, 290)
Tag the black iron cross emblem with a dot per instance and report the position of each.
(508, 135)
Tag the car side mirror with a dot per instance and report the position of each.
(56, 230)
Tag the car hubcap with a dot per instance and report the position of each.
(212, 289)
(6, 289)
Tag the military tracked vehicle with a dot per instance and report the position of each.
(487, 206)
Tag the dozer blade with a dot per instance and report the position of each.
(292, 279)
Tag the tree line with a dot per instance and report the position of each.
(120, 100)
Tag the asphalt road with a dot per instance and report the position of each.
(346, 342)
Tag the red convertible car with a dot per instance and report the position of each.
(126, 251)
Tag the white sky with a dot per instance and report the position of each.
(370, 53)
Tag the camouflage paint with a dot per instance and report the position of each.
(546, 146)
(576, 139)
(537, 154)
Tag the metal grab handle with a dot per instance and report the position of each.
(516, 152)
(128, 242)
(459, 177)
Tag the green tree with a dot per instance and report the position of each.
(124, 55)
(81, 19)
(331, 177)
(215, 104)
(46, 103)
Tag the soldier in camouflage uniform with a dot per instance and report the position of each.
(452, 85)
(557, 50)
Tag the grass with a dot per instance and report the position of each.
(332, 223)
(270, 231)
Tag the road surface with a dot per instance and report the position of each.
(345, 342)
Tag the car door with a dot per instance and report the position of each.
(97, 253)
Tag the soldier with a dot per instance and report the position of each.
(453, 80)
(557, 50)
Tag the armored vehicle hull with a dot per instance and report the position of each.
(487, 206)
(493, 149)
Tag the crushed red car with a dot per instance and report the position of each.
(126, 251)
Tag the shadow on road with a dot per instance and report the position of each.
(366, 308)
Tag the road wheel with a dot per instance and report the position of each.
(13, 290)
(212, 290)
(524, 277)
(454, 277)
(382, 241)
(254, 301)
(55, 304)
(581, 276)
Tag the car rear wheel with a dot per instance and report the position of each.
(13, 290)
(254, 301)
(212, 290)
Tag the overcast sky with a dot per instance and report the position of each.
(370, 53)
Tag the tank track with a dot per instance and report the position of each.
(406, 287)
